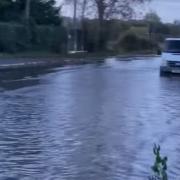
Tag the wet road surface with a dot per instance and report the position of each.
(94, 122)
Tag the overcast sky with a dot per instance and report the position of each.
(168, 10)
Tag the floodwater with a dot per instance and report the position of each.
(89, 122)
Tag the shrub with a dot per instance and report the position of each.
(131, 42)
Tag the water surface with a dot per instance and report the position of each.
(94, 122)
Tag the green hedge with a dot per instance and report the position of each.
(19, 38)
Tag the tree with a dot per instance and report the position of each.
(176, 22)
(152, 17)
(107, 9)
(153, 21)
(40, 11)
(4, 3)
(9, 10)
(45, 12)
(79, 10)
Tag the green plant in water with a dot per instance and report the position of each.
(160, 166)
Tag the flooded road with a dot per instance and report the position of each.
(89, 122)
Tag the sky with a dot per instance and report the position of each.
(168, 10)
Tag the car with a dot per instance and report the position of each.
(171, 57)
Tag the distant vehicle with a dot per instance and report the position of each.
(170, 57)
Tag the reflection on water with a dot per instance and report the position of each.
(88, 122)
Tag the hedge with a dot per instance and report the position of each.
(19, 38)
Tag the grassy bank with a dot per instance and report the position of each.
(49, 56)
(56, 55)
(39, 60)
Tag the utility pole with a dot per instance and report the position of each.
(75, 25)
(83, 24)
(27, 9)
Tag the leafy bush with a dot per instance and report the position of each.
(131, 42)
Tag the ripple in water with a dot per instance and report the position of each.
(90, 122)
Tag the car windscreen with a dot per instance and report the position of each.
(172, 46)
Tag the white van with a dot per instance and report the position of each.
(171, 57)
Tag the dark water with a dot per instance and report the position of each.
(90, 122)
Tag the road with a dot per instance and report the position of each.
(96, 121)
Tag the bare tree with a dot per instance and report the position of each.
(107, 9)
(79, 9)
